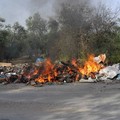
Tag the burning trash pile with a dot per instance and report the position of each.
(46, 72)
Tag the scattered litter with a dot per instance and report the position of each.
(100, 58)
(89, 80)
(43, 71)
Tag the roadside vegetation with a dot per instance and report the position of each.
(76, 31)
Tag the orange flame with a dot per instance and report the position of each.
(74, 62)
(90, 66)
(40, 80)
(46, 76)
(49, 72)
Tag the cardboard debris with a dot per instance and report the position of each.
(100, 58)
(5, 64)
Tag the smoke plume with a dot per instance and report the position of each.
(51, 6)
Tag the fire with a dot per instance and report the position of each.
(40, 80)
(90, 66)
(49, 72)
(74, 62)
(35, 71)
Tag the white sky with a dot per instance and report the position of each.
(20, 10)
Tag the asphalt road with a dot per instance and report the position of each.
(76, 101)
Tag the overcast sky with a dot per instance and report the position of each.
(20, 10)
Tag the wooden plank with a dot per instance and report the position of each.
(5, 64)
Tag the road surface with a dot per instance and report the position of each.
(76, 101)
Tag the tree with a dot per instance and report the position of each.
(3, 41)
(103, 30)
(3, 37)
(85, 29)
(52, 46)
(36, 27)
(16, 38)
(2, 19)
(75, 25)
(53, 25)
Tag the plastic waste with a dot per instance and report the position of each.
(111, 71)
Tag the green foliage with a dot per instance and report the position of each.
(36, 28)
(77, 31)
(3, 39)
(114, 56)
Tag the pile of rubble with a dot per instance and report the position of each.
(45, 72)
(9, 74)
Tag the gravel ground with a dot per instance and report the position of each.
(76, 101)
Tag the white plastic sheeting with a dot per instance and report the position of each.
(110, 72)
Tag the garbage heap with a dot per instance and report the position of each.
(45, 72)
